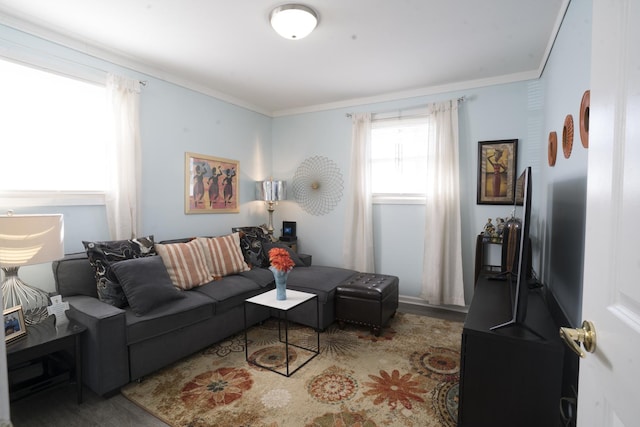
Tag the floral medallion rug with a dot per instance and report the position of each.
(408, 376)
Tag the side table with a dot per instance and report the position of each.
(282, 307)
(51, 346)
(293, 244)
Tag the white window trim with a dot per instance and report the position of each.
(21, 199)
(398, 199)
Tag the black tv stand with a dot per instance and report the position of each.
(514, 324)
(511, 376)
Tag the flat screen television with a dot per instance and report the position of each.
(518, 280)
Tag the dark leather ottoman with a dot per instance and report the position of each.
(367, 299)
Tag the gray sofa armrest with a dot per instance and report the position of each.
(105, 360)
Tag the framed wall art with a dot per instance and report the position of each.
(497, 171)
(211, 184)
(14, 324)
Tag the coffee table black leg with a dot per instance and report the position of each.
(318, 322)
(286, 340)
(246, 345)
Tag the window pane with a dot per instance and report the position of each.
(398, 157)
(53, 133)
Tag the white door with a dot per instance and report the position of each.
(610, 378)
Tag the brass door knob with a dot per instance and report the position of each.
(585, 335)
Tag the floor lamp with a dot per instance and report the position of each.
(271, 192)
(28, 240)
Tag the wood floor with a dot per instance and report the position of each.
(58, 408)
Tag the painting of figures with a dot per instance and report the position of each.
(211, 184)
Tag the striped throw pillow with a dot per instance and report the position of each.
(185, 263)
(223, 255)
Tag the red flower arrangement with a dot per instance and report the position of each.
(280, 259)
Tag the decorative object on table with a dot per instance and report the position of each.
(289, 231)
(271, 192)
(317, 185)
(281, 265)
(293, 21)
(488, 230)
(496, 171)
(57, 309)
(567, 136)
(552, 151)
(14, 324)
(27, 240)
(511, 244)
(497, 236)
(584, 118)
(211, 184)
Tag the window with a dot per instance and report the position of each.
(398, 159)
(53, 136)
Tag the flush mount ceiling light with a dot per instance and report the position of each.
(293, 21)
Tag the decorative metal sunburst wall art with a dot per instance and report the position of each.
(318, 185)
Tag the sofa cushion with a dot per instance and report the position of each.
(252, 240)
(102, 255)
(146, 283)
(193, 308)
(185, 264)
(319, 280)
(223, 255)
(74, 275)
(230, 291)
(261, 276)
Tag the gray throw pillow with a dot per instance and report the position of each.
(294, 256)
(146, 283)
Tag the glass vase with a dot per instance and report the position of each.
(281, 283)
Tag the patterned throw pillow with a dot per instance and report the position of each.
(102, 255)
(223, 255)
(252, 241)
(185, 263)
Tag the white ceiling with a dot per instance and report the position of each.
(362, 50)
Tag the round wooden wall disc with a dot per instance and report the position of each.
(584, 118)
(553, 148)
(567, 136)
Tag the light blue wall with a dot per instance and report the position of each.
(488, 113)
(173, 121)
(563, 203)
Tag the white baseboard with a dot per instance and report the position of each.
(419, 302)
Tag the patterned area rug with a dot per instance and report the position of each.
(406, 377)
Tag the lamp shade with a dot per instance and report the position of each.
(293, 21)
(271, 191)
(30, 239)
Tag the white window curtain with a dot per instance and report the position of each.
(442, 282)
(358, 235)
(123, 213)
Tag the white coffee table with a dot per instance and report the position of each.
(294, 299)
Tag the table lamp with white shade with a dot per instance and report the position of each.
(28, 240)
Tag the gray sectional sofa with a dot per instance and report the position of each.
(122, 345)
